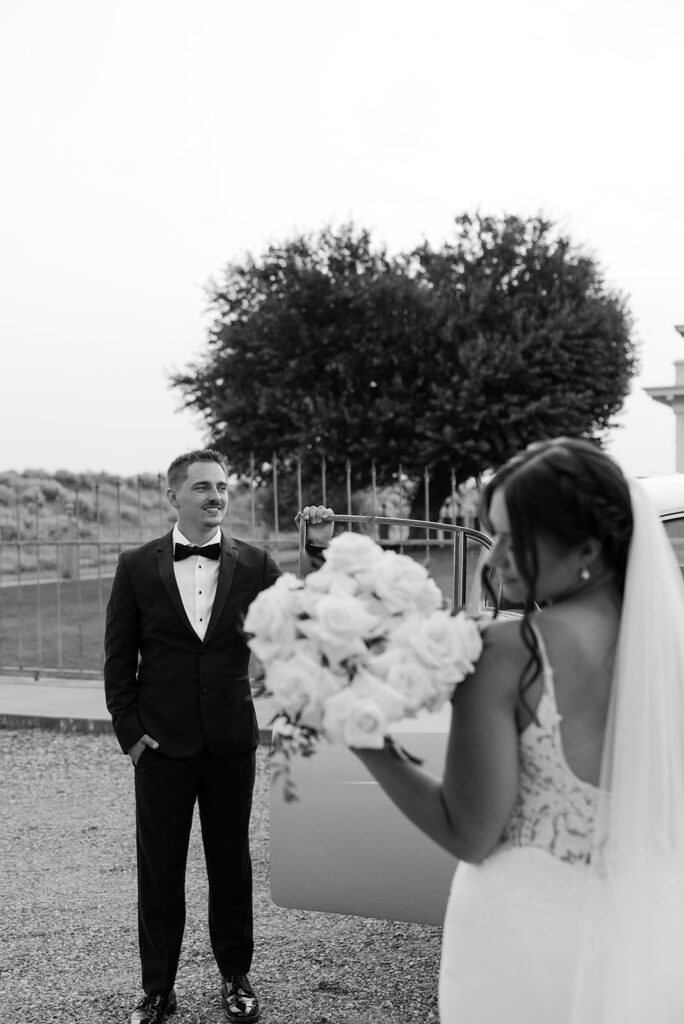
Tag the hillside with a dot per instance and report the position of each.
(36, 503)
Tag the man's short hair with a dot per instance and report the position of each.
(177, 472)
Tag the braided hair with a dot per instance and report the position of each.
(568, 491)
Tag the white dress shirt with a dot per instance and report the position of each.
(197, 578)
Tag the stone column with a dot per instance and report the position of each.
(673, 397)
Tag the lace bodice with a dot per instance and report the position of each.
(554, 809)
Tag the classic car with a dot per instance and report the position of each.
(342, 846)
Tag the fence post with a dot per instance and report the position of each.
(275, 497)
(140, 507)
(79, 586)
(400, 481)
(39, 617)
(70, 568)
(382, 529)
(161, 503)
(426, 479)
(60, 572)
(252, 493)
(98, 546)
(118, 515)
(20, 601)
(2, 657)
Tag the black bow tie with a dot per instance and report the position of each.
(182, 551)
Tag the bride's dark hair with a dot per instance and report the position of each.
(567, 491)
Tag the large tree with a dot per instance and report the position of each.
(451, 358)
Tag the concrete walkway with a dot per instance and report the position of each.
(74, 705)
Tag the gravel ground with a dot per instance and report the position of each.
(68, 944)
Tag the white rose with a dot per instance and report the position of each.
(320, 583)
(323, 581)
(368, 685)
(449, 646)
(275, 601)
(300, 687)
(401, 628)
(471, 637)
(401, 583)
(353, 554)
(354, 721)
(408, 676)
(339, 627)
(271, 619)
(380, 664)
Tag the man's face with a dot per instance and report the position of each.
(201, 501)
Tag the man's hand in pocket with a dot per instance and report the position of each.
(136, 750)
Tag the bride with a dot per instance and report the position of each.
(563, 788)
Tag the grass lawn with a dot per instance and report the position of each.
(56, 626)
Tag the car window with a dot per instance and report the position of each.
(675, 531)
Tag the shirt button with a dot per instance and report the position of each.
(204, 689)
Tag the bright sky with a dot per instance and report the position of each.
(147, 143)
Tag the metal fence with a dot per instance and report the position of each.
(59, 548)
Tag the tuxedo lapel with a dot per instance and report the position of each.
(227, 566)
(168, 577)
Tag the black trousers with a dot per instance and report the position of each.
(166, 790)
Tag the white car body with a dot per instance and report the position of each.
(344, 847)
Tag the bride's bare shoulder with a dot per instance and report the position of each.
(502, 632)
(497, 670)
(503, 642)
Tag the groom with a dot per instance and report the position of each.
(177, 688)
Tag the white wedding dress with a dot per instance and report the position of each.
(513, 922)
(578, 915)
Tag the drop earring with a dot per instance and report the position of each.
(584, 573)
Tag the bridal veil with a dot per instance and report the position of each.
(631, 968)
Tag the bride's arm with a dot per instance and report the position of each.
(467, 811)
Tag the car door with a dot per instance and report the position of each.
(342, 846)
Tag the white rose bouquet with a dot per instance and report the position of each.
(360, 644)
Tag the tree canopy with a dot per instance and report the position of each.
(452, 358)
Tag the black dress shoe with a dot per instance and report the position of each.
(239, 1000)
(154, 1009)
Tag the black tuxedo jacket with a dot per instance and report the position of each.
(160, 678)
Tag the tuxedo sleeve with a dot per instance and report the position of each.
(121, 659)
(271, 571)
